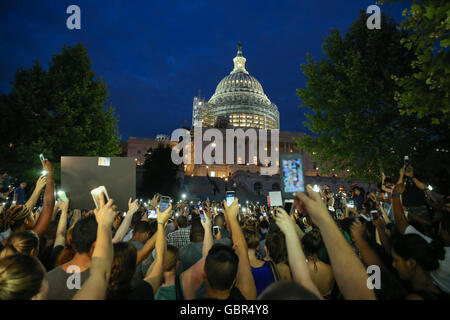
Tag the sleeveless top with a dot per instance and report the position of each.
(263, 276)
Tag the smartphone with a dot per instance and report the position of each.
(164, 203)
(216, 230)
(96, 195)
(152, 214)
(202, 215)
(406, 164)
(288, 205)
(230, 197)
(351, 204)
(330, 208)
(264, 214)
(292, 177)
(42, 158)
(62, 195)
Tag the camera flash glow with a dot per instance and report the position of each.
(430, 188)
(316, 188)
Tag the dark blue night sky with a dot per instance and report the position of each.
(155, 55)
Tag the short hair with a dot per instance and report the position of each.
(197, 231)
(221, 267)
(251, 237)
(219, 220)
(142, 227)
(84, 234)
(413, 246)
(136, 219)
(287, 290)
(171, 257)
(276, 245)
(182, 221)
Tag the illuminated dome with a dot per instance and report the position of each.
(241, 98)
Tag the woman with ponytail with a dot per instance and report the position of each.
(321, 272)
(22, 242)
(414, 259)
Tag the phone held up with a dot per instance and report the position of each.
(96, 193)
(230, 197)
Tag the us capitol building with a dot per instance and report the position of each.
(240, 98)
(239, 101)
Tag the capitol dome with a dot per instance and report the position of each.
(241, 98)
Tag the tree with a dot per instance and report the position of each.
(426, 92)
(354, 114)
(59, 112)
(160, 173)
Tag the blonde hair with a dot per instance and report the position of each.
(21, 277)
(22, 242)
(14, 217)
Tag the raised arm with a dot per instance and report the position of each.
(367, 254)
(410, 174)
(244, 279)
(62, 225)
(192, 278)
(40, 184)
(96, 285)
(49, 201)
(401, 223)
(155, 273)
(125, 225)
(146, 249)
(296, 257)
(348, 270)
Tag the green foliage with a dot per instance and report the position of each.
(426, 92)
(59, 112)
(160, 175)
(354, 114)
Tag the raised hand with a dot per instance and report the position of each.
(41, 182)
(164, 216)
(64, 205)
(357, 229)
(133, 206)
(409, 172)
(107, 212)
(233, 210)
(155, 201)
(48, 166)
(284, 221)
(206, 224)
(313, 203)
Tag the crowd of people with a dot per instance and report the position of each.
(328, 245)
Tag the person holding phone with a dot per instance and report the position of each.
(180, 237)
